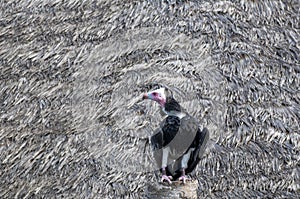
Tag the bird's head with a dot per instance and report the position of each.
(158, 95)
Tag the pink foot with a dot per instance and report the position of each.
(166, 178)
(184, 178)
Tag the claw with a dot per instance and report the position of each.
(184, 178)
(167, 178)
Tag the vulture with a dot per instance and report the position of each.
(178, 143)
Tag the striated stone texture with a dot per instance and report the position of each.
(72, 73)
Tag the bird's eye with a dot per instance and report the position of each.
(155, 94)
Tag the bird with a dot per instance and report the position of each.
(178, 143)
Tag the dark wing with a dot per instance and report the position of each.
(170, 128)
(157, 140)
(200, 145)
(176, 135)
(182, 142)
(165, 133)
(185, 136)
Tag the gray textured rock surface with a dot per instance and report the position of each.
(175, 190)
(72, 73)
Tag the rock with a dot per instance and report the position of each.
(175, 190)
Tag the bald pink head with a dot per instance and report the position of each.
(157, 95)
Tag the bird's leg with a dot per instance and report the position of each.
(184, 165)
(183, 177)
(165, 177)
(165, 154)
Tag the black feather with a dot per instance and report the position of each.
(172, 105)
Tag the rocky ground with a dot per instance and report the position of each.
(72, 74)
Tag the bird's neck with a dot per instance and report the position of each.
(173, 108)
